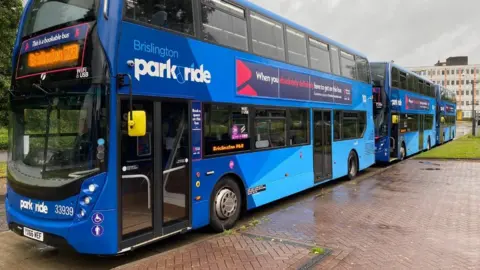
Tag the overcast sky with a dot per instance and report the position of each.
(410, 32)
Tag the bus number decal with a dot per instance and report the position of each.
(256, 190)
(63, 210)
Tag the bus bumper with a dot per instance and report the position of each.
(78, 235)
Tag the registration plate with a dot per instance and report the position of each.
(36, 235)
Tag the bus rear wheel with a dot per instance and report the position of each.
(225, 206)
(352, 166)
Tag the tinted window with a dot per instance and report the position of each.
(409, 123)
(363, 73)
(319, 56)
(298, 131)
(348, 65)
(226, 129)
(403, 80)
(349, 125)
(395, 78)
(297, 47)
(223, 28)
(270, 129)
(44, 14)
(267, 37)
(428, 121)
(173, 15)
(334, 55)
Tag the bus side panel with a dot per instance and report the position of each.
(270, 175)
(429, 134)
(411, 142)
(341, 151)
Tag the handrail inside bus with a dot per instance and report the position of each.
(133, 176)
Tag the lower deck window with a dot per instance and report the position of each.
(225, 129)
(349, 125)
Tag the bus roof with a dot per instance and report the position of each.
(292, 24)
(405, 70)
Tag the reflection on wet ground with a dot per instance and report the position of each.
(417, 214)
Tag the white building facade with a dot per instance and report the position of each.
(464, 80)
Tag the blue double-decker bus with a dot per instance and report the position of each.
(135, 120)
(446, 114)
(404, 112)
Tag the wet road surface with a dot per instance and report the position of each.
(20, 253)
(416, 214)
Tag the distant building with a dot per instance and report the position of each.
(455, 73)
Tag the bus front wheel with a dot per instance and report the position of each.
(352, 165)
(225, 206)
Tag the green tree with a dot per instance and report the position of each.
(10, 11)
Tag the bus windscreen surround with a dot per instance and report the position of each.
(53, 52)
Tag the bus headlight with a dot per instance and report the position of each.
(92, 188)
(83, 213)
(87, 200)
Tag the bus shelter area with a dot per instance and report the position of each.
(412, 215)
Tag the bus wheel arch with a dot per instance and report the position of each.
(227, 202)
(353, 164)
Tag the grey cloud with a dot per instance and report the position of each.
(411, 32)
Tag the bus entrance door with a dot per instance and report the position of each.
(394, 143)
(322, 145)
(154, 173)
(421, 131)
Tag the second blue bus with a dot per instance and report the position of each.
(404, 112)
(446, 114)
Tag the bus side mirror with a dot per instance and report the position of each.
(442, 120)
(137, 123)
(395, 119)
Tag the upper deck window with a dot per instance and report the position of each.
(174, 15)
(319, 56)
(297, 47)
(267, 37)
(363, 69)
(225, 25)
(44, 14)
(334, 55)
(348, 65)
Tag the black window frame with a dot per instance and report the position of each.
(287, 47)
(228, 12)
(195, 21)
(198, 35)
(252, 109)
(340, 113)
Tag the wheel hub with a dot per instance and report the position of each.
(225, 203)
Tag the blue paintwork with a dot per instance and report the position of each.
(256, 168)
(447, 131)
(396, 99)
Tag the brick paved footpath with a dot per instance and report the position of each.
(416, 215)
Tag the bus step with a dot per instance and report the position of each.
(393, 159)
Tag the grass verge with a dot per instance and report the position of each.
(467, 147)
(3, 139)
(3, 169)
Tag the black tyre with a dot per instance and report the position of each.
(225, 205)
(403, 152)
(352, 165)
